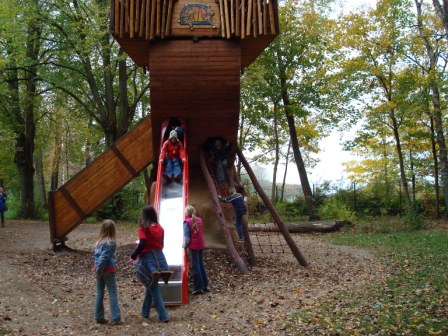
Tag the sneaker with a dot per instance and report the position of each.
(116, 322)
(101, 321)
(207, 289)
(196, 292)
(177, 178)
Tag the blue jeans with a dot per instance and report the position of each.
(239, 226)
(154, 294)
(221, 167)
(153, 261)
(200, 279)
(107, 280)
(172, 167)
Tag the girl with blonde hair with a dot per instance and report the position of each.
(104, 266)
(194, 241)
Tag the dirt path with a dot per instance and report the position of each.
(47, 293)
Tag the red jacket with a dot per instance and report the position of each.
(172, 151)
(196, 239)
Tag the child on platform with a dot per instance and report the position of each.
(104, 266)
(218, 155)
(172, 151)
(194, 240)
(239, 205)
(151, 262)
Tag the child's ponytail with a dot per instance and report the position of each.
(195, 223)
(190, 211)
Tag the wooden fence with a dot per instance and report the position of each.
(150, 19)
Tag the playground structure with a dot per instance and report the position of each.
(195, 53)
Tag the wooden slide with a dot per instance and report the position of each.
(103, 178)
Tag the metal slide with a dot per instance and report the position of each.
(170, 201)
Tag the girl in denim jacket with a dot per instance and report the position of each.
(104, 266)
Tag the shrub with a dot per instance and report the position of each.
(335, 209)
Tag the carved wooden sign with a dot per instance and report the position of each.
(196, 18)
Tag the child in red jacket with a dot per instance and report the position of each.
(172, 151)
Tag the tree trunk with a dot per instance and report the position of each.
(438, 118)
(57, 151)
(286, 171)
(307, 192)
(404, 181)
(436, 169)
(277, 149)
(26, 132)
(411, 163)
(442, 13)
(41, 180)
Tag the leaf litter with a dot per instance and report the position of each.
(49, 293)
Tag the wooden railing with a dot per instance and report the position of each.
(150, 19)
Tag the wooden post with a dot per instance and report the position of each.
(51, 216)
(153, 19)
(237, 18)
(159, 9)
(232, 17)
(226, 14)
(248, 243)
(223, 24)
(137, 16)
(254, 18)
(243, 18)
(142, 19)
(148, 18)
(260, 17)
(221, 219)
(249, 17)
(162, 30)
(271, 16)
(282, 227)
(170, 18)
(126, 17)
(265, 17)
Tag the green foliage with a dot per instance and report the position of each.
(411, 302)
(292, 211)
(336, 209)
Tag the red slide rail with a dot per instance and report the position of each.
(157, 196)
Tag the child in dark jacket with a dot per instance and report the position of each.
(194, 240)
(104, 266)
(172, 151)
(239, 205)
(3, 206)
(218, 154)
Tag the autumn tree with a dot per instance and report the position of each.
(22, 55)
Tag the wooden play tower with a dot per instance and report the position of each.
(195, 52)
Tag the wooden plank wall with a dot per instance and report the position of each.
(99, 181)
(152, 19)
(199, 82)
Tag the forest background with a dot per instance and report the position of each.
(68, 92)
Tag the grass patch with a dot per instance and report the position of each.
(413, 301)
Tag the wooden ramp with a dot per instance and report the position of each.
(103, 178)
